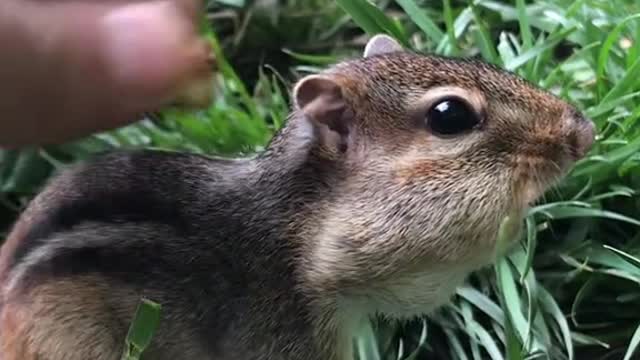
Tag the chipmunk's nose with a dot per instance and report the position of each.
(585, 134)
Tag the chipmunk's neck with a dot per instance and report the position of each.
(335, 326)
(293, 186)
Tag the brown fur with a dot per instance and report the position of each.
(36, 324)
(356, 209)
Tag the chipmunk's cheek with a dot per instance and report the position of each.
(407, 171)
(528, 180)
(531, 194)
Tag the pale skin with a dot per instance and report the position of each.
(69, 68)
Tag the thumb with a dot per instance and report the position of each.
(153, 53)
(81, 67)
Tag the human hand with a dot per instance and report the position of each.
(72, 67)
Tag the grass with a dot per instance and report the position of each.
(143, 326)
(572, 289)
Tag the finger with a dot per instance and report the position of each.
(161, 61)
(195, 87)
(190, 8)
(88, 67)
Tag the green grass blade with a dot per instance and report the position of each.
(567, 212)
(366, 344)
(24, 171)
(525, 28)
(467, 315)
(605, 50)
(514, 349)
(462, 22)
(552, 308)
(511, 298)
(484, 40)
(553, 75)
(606, 106)
(312, 59)
(371, 19)
(482, 302)
(628, 257)
(450, 26)
(633, 344)
(422, 21)
(532, 241)
(625, 84)
(535, 51)
(525, 32)
(487, 341)
(600, 171)
(142, 329)
(505, 49)
(421, 342)
(457, 350)
(612, 262)
(584, 339)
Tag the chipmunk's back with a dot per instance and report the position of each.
(125, 226)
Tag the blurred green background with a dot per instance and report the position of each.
(572, 289)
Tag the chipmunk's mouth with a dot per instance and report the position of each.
(543, 173)
(583, 138)
(535, 177)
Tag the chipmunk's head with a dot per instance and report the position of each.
(435, 153)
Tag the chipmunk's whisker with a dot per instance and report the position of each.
(555, 177)
(540, 185)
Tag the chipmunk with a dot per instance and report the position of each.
(383, 191)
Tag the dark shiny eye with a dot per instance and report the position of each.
(451, 116)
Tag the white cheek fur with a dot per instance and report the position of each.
(408, 296)
(418, 294)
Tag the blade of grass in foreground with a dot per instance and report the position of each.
(518, 259)
(421, 343)
(371, 19)
(525, 31)
(633, 345)
(533, 52)
(482, 302)
(628, 257)
(450, 27)
(484, 39)
(512, 304)
(605, 51)
(420, 18)
(565, 212)
(514, 350)
(142, 329)
(366, 343)
(552, 308)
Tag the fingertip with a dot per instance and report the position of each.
(157, 54)
(195, 88)
(191, 8)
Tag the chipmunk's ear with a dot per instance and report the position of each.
(322, 100)
(381, 44)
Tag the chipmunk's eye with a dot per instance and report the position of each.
(451, 116)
